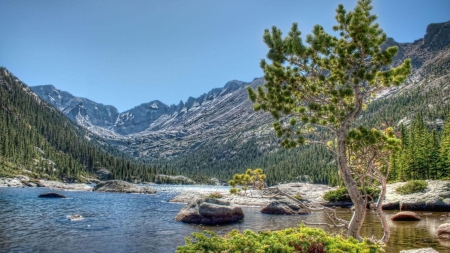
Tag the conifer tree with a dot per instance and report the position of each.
(316, 91)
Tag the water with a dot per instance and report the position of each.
(115, 222)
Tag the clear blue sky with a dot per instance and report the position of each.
(125, 53)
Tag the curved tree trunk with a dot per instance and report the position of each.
(359, 214)
(379, 210)
(360, 204)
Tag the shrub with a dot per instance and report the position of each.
(298, 197)
(341, 194)
(214, 195)
(412, 187)
(301, 239)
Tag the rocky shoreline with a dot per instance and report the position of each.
(104, 186)
(435, 198)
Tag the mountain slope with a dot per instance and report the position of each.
(37, 140)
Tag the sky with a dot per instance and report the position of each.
(124, 53)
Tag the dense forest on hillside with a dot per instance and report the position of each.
(38, 140)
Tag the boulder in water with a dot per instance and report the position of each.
(74, 217)
(285, 207)
(52, 195)
(122, 186)
(405, 216)
(209, 212)
(443, 231)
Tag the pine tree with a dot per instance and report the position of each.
(324, 86)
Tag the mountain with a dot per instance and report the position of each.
(219, 134)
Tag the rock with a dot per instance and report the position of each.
(29, 184)
(103, 174)
(435, 198)
(52, 195)
(424, 250)
(186, 197)
(64, 186)
(405, 216)
(443, 231)
(10, 182)
(209, 212)
(122, 186)
(175, 179)
(23, 178)
(284, 207)
(74, 217)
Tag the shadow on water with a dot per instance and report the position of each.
(144, 223)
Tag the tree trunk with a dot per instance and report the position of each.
(379, 210)
(359, 214)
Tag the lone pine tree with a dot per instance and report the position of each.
(315, 91)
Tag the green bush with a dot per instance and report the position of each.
(298, 197)
(412, 187)
(214, 195)
(302, 239)
(341, 194)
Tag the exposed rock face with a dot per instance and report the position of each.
(210, 212)
(64, 186)
(424, 250)
(52, 195)
(435, 198)
(81, 110)
(103, 174)
(122, 186)
(443, 231)
(437, 36)
(405, 216)
(285, 207)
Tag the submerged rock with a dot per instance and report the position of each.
(74, 217)
(443, 231)
(210, 212)
(122, 186)
(286, 207)
(406, 216)
(52, 195)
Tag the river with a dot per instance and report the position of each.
(115, 222)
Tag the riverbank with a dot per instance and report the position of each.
(308, 192)
(102, 186)
(436, 196)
